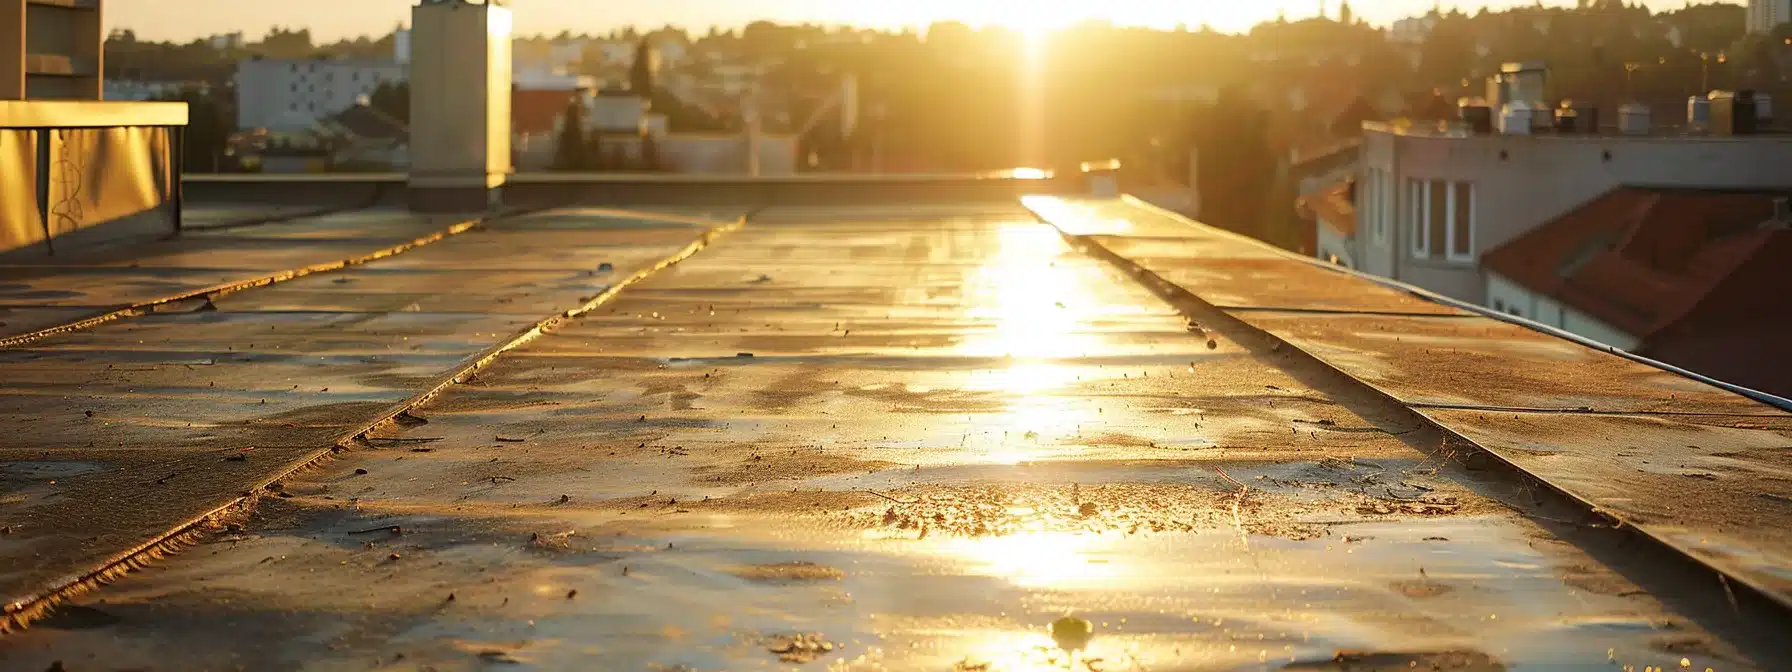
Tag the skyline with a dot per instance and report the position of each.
(331, 20)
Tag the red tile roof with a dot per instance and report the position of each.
(536, 112)
(1692, 273)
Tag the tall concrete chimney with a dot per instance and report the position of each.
(460, 104)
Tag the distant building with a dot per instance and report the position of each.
(51, 50)
(291, 95)
(1413, 30)
(1431, 202)
(226, 41)
(364, 138)
(137, 90)
(538, 107)
(401, 46)
(1655, 240)
(1766, 15)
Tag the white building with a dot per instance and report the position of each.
(226, 41)
(735, 79)
(1414, 30)
(1765, 15)
(1430, 203)
(292, 95)
(137, 90)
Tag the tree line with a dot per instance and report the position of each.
(955, 97)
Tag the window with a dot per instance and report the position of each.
(1441, 216)
(1462, 222)
(1418, 230)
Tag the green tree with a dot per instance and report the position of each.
(640, 74)
(1235, 165)
(570, 152)
(1349, 122)
(207, 134)
(394, 99)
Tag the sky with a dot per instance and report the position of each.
(334, 19)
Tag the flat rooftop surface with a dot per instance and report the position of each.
(861, 438)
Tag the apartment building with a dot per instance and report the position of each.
(1765, 15)
(1431, 202)
(293, 95)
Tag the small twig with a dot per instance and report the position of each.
(893, 499)
(1224, 475)
(1237, 502)
(394, 529)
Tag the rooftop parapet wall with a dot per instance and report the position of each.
(78, 174)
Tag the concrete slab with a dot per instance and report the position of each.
(230, 394)
(876, 440)
(1687, 463)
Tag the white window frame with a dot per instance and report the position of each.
(1450, 227)
(1418, 205)
(1384, 205)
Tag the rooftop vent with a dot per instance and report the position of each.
(1698, 113)
(1577, 117)
(1476, 115)
(1517, 117)
(1733, 112)
(1634, 119)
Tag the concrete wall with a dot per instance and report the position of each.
(726, 154)
(535, 151)
(101, 185)
(1521, 182)
(460, 95)
(51, 50)
(567, 189)
(293, 95)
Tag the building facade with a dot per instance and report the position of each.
(1765, 15)
(51, 49)
(293, 95)
(1431, 202)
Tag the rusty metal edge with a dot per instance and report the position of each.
(19, 613)
(1724, 572)
(232, 287)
